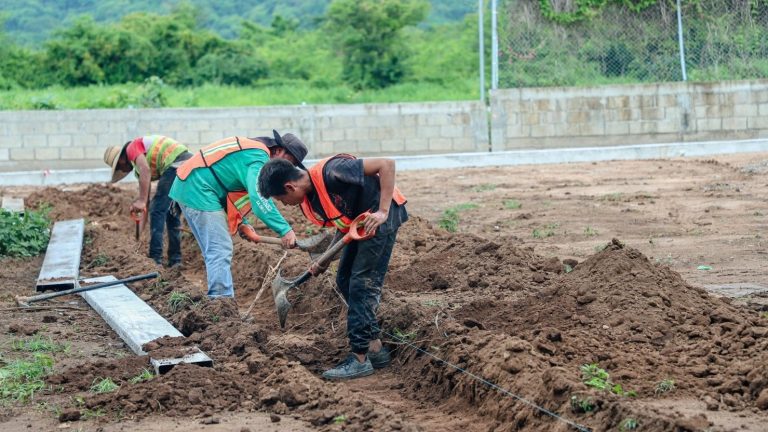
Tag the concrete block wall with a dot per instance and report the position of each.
(32, 140)
(535, 118)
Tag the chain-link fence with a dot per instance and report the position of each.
(587, 42)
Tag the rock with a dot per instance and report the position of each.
(545, 347)
(24, 329)
(293, 394)
(69, 415)
(274, 418)
(210, 421)
(586, 299)
(762, 400)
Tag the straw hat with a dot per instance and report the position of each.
(111, 158)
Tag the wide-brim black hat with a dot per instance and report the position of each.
(293, 145)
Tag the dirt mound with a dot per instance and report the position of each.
(94, 201)
(468, 262)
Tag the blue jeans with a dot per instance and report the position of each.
(360, 278)
(212, 233)
(160, 216)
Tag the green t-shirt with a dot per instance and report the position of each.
(237, 171)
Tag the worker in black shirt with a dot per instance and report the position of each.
(333, 193)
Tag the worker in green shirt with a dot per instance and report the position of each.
(218, 186)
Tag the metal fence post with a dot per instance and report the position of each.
(680, 41)
(481, 43)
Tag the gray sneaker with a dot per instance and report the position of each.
(349, 368)
(380, 359)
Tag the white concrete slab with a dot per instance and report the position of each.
(61, 265)
(12, 204)
(136, 322)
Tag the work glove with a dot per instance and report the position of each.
(247, 232)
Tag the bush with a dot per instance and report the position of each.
(25, 234)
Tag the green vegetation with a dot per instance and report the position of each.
(103, 385)
(145, 375)
(590, 232)
(403, 336)
(628, 424)
(39, 344)
(21, 379)
(664, 386)
(594, 376)
(177, 300)
(546, 231)
(512, 204)
(579, 404)
(98, 261)
(23, 235)
(483, 187)
(340, 419)
(449, 221)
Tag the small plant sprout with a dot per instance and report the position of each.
(340, 419)
(568, 268)
(590, 232)
(594, 376)
(664, 386)
(104, 385)
(177, 300)
(579, 404)
(449, 221)
(512, 204)
(145, 375)
(402, 336)
(628, 424)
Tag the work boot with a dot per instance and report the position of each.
(380, 359)
(350, 368)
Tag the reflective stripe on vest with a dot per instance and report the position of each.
(238, 204)
(334, 215)
(161, 153)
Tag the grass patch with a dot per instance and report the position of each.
(450, 219)
(512, 204)
(629, 424)
(39, 344)
(484, 187)
(546, 231)
(24, 234)
(21, 379)
(145, 375)
(340, 419)
(590, 232)
(103, 385)
(403, 336)
(582, 404)
(98, 261)
(612, 197)
(178, 300)
(664, 386)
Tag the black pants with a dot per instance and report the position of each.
(360, 278)
(160, 217)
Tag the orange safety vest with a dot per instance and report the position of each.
(238, 203)
(335, 217)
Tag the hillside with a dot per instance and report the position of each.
(30, 22)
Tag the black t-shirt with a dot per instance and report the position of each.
(352, 192)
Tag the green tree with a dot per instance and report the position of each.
(368, 34)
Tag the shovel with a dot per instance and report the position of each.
(314, 245)
(280, 285)
(25, 301)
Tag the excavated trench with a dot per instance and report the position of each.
(524, 322)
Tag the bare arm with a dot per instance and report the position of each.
(145, 180)
(385, 168)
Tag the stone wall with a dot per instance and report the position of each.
(531, 118)
(32, 140)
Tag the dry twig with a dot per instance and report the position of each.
(267, 278)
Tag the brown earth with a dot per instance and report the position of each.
(551, 268)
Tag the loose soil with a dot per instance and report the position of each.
(550, 268)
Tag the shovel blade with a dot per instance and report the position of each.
(280, 288)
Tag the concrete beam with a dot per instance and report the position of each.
(61, 265)
(136, 322)
(12, 204)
